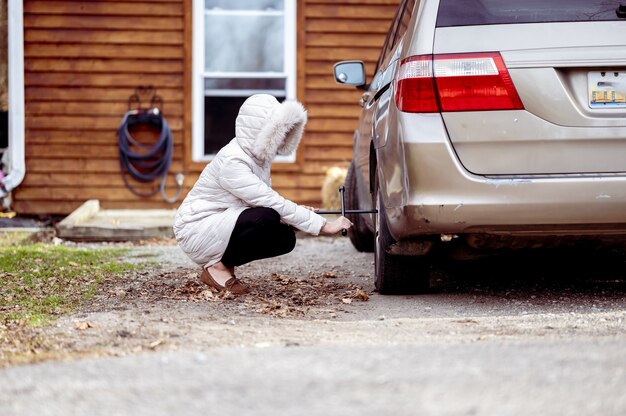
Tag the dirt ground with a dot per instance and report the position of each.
(323, 293)
(539, 333)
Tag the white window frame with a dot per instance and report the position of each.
(199, 74)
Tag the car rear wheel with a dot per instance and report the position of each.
(361, 237)
(396, 274)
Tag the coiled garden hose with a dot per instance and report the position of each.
(152, 161)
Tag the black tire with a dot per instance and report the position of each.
(361, 236)
(396, 274)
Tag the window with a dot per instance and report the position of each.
(486, 12)
(386, 49)
(405, 19)
(397, 30)
(241, 48)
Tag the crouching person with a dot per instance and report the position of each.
(232, 215)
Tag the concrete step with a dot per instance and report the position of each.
(91, 223)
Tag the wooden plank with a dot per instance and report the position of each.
(323, 82)
(331, 139)
(188, 82)
(39, 207)
(140, 204)
(356, 11)
(56, 179)
(100, 22)
(97, 50)
(332, 110)
(284, 181)
(135, 8)
(81, 194)
(326, 86)
(40, 108)
(334, 153)
(76, 137)
(82, 165)
(332, 125)
(34, 122)
(302, 196)
(323, 96)
(369, 63)
(301, 44)
(347, 26)
(321, 166)
(343, 139)
(70, 137)
(103, 94)
(140, 66)
(93, 151)
(326, 68)
(108, 37)
(102, 80)
(371, 40)
(342, 54)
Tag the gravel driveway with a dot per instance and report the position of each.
(505, 336)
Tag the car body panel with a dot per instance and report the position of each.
(549, 64)
(374, 128)
(451, 199)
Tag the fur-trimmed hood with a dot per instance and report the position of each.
(265, 128)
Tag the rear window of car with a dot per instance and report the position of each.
(492, 12)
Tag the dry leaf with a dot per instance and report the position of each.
(81, 326)
(360, 294)
(329, 275)
(467, 321)
(156, 343)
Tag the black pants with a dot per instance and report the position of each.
(258, 234)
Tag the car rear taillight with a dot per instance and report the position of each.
(415, 90)
(459, 82)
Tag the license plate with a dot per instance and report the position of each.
(607, 89)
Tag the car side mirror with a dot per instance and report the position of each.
(350, 73)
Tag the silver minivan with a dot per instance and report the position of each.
(489, 125)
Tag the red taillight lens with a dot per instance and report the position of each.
(464, 82)
(474, 82)
(415, 89)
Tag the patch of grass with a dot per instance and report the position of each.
(145, 255)
(39, 282)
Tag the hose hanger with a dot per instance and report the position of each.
(147, 162)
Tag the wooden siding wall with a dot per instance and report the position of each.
(331, 31)
(84, 58)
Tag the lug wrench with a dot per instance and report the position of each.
(343, 212)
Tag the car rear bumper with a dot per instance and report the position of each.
(430, 192)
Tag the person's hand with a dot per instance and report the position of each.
(335, 226)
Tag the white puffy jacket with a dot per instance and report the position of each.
(239, 178)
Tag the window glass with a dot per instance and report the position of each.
(390, 37)
(405, 19)
(485, 12)
(254, 85)
(244, 4)
(217, 131)
(243, 43)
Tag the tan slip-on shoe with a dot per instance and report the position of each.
(233, 285)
